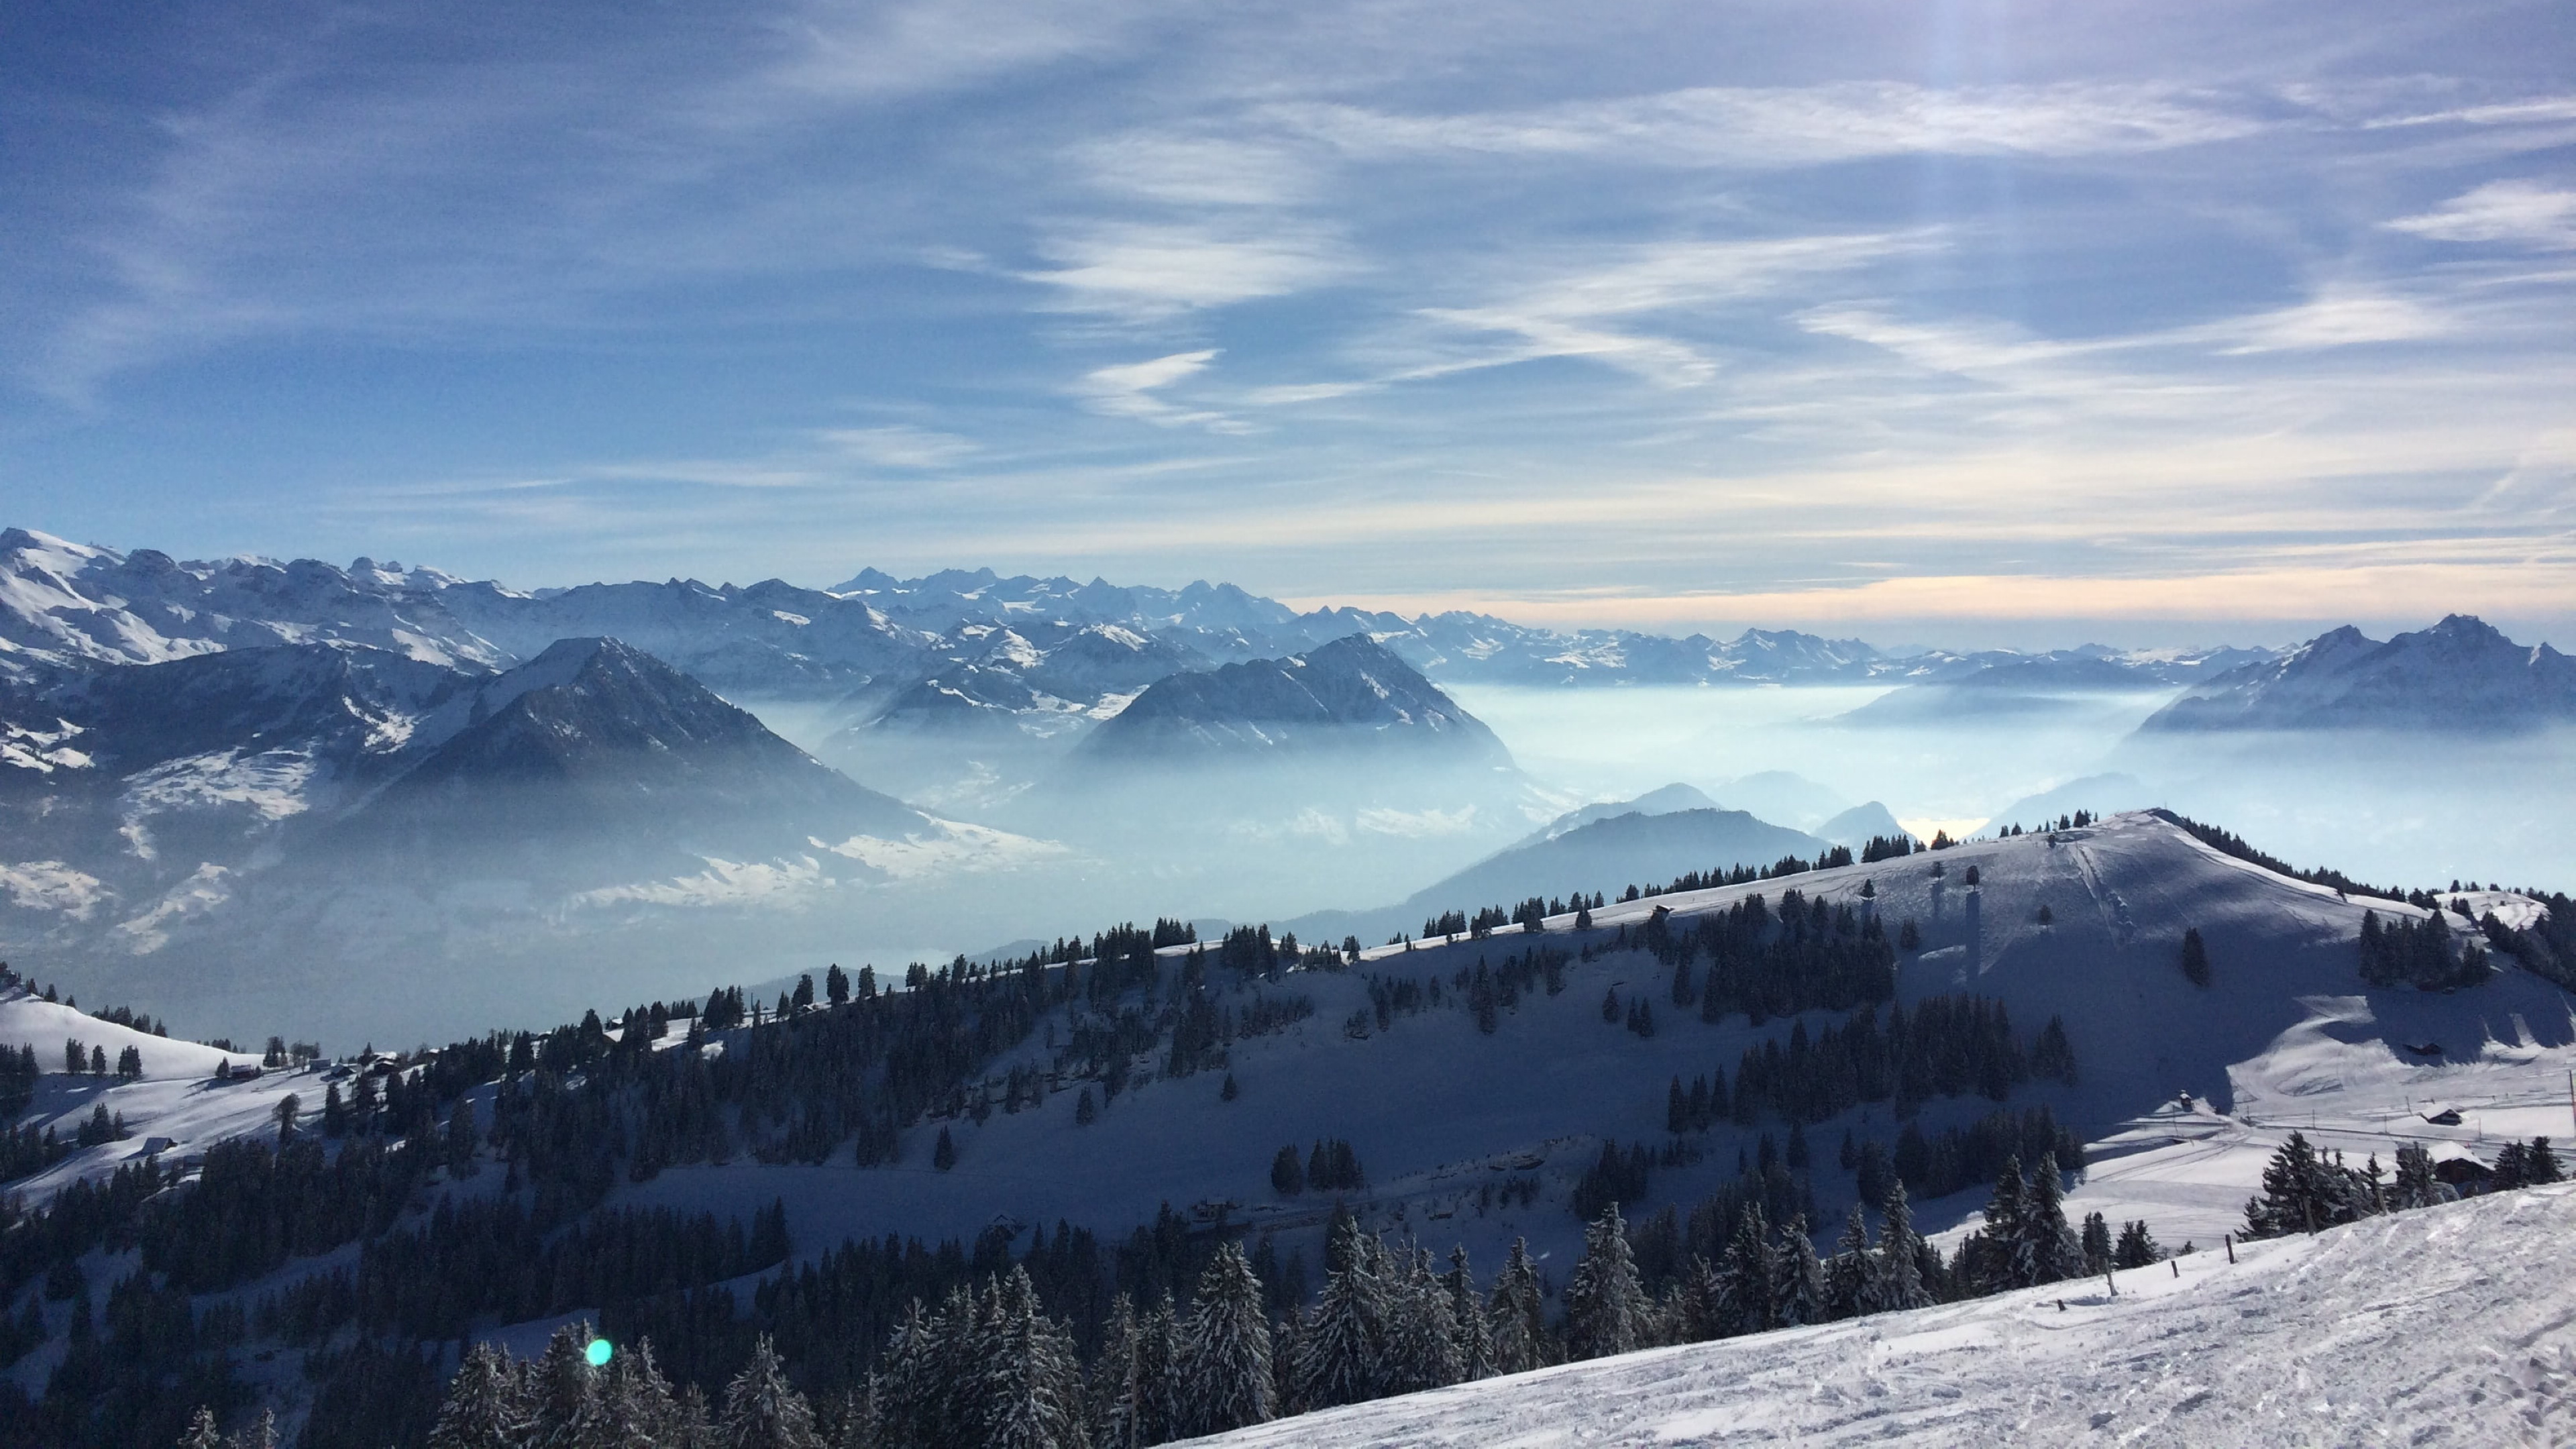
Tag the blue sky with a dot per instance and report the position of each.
(1920, 321)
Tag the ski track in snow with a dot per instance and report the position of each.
(2447, 1326)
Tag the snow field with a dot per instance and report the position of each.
(2447, 1326)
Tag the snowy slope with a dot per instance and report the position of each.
(2446, 1326)
(2285, 1036)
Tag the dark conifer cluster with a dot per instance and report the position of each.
(1807, 957)
(2421, 954)
(2305, 1189)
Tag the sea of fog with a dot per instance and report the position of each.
(2398, 810)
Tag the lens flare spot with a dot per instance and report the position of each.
(598, 1353)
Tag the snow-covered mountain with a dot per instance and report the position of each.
(2461, 676)
(286, 820)
(1351, 695)
(1634, 847)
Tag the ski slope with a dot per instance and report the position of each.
(2448, 1326)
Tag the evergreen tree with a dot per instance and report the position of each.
(1744, 1276)
(762, 1411)
(1287, 1174)
(2298, 1195)
(1467, 1319)
(2096, 1236)
(202, 1433)
(943, 1155)
(1797, 1278)
(1153, 1390)
(2417, 1187)
(2195, 957)
(482, 1408)
(2007, 1234)
(1851, 1275)
(1032, 1389)
(1113, 1379)
(1605, 1305)
(2048, 1250)
(1900, 1255)
(1516, 1311)
(1422, 1343)
(2137, 1247)
(2541, 1164)
(1341, 1355)
(1225, 1355)
(561, 1389)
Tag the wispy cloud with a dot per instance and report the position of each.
(2520, 213)
(1773, 128)
(1146, 272)
(1134, 390)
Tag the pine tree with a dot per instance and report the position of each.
(561, 1389)
(1032, 1388)
(2195, 957)
(1744, 1275)
(2137, 1247)
(1225, 1354)
(1900, 1255)
(202, 1433)
(482, 1409)
(1422, 1346)
(1605, 1306)
(2541, 1164)
(633, 1408)
(762, 1411)
(2048, 1251)
(1516, 1311)
(2417, 1187)
(943, 1154)
(2096, 1237)
(1153, 1394)
(2006, 1232)
(1342, 1354)
(1851, 1275)
(1467, 1319)
(1797, 1279)
(1113, 1379)
(1287, 1175)
(862, 1421)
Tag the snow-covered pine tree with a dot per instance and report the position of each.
(1422, 1342)
(1153, 1399)
(2299, 1193)
(482, 1409)
(1700, 1308)
(1851, 1275)
(1900, 1255)
(1225, 1380)
(1342, 1359)
(1113, 1379)
(1605, 1306)
(2417, 1187)
(1516, 1311)
(1744, 1276)
(2050, 1251)
(2541, 1164)
(562, 1389)
(1797, 1278)
(1467, 1318)
(1032, 1383)
(1286, 1343)
(762, 1410)
(862, 1423)
(2007, 1233)
(202, 1433)
(910, 1391)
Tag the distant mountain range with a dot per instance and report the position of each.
(950, 650)
(2462, 675)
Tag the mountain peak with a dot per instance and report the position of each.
(1352, 692)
